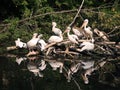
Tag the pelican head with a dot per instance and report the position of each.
(89, 28)
(18, 39)
(54, 23)
(85, 23)
(39, 36)
(35, 35)
(67, 30)
(86, 20)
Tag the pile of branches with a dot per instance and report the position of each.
(102, 45)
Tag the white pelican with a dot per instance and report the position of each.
(57, 31)
(73, 38)
(42, 44)
(56, 39)
(32, 43)
(87, 46)
(101, 34)
(20, 44)
(77, 32)
(87, 30)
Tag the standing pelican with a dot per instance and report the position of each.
(88, 32)
(73, 38)
(33, 42)
(77, 32)
(57, 31)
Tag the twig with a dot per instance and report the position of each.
(77, 13)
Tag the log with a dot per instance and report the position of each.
(11, 48)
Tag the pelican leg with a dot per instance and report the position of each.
(67, 52)
(49, 50)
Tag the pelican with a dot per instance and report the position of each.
(42, 44)
(56, 39)
(57, 31)
(101, 34)
(73, 38)
(32, 43)
(87, 46)
(20, 44)
(87, 30)
(77, 32)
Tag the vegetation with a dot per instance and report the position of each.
(21, 18)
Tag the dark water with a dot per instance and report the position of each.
(39, 73)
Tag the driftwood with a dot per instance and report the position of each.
(11, 48)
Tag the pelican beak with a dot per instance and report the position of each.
(65, 31)
(84, 24)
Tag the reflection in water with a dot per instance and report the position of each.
(56, 64)
(36, 70)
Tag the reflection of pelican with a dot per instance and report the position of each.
(88, 67)
(56, 64)
(42, 65)
(73, 69)
(32, 67)
(20, 44)
(19, 60)
(87, 64)
(57, 31)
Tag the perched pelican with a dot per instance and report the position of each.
(87, 46)
(33, 42)
(101, 34)
(87, 30)
(56, 39)
(57, 31)
(42, 44)
(77, 32)
(20, 44)
(73, 38)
